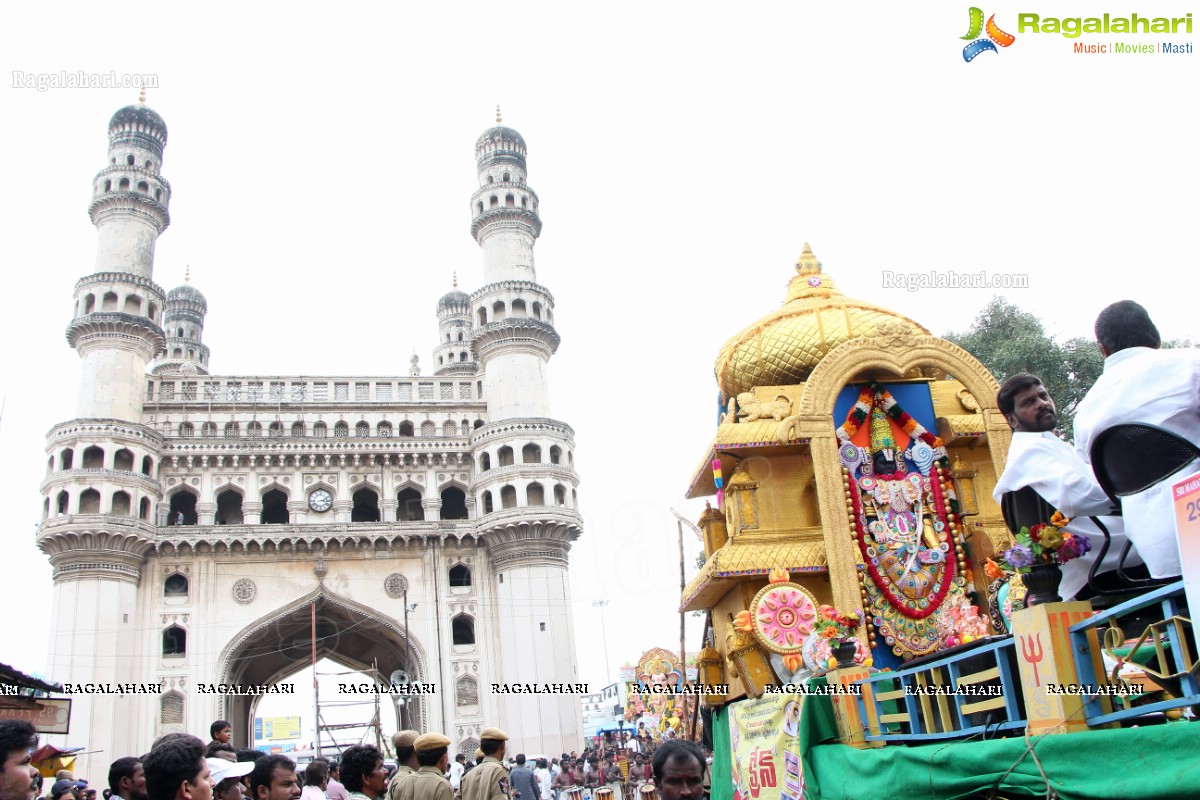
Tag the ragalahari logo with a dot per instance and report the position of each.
(994, 37)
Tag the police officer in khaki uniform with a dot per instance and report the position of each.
(406, 760)
(489, 779)
(429, 781)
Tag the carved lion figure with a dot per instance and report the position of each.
(753, 409)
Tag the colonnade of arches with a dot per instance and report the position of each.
(272, 506)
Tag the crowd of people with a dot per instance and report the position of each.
(181, 766)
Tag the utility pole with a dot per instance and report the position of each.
(601, 604)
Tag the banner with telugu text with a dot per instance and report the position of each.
(764, 748)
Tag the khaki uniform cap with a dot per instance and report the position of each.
(404, 738)
(430, 741)
(493, 733)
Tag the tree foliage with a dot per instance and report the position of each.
(1008, 340)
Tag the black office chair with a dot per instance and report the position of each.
(1024, 508)
(1132, 458)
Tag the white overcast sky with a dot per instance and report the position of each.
(321, 158)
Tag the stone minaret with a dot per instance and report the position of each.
(102, 487)
(183, 321)
(525, 481)
(453, 356)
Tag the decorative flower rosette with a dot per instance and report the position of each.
(781, 617)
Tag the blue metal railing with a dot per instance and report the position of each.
(1169, 640)
(973, 692)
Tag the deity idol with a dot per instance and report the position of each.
(901, 521)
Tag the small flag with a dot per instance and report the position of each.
(720, 484)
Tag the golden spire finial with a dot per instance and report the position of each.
(187, 274)
(498, 117)
(142, 96)
(807, 262)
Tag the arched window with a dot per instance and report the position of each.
(174, 642)
(147, 465)
(485, 462)
(535, 495)
(384, 430)
(276, 430)
(506, 177)
(297, 430)
(505, 456)
(466, 693)
(454, 503)
(482, 316)
(449, 428)
(175, 585)
(366, 506)
(498, 310)
(122, 504)
(362, 430)
(62, 503)
(537, 310)
(460, 575)
(560, 495)
(133, 305)
(232, 430)
(518, 308)
(108, 186)
(187, 429)
(341, 430)
(129, 160)
(89, 304)
(509, 200)
(531, 454)
(462, 629)
(508, 497)
(479, 208)
(170, 709)
(144, 508)
(109, 302)
(229, 508)
(89, 502)
(428, 429)
(254, 430)
(93, 458)
(478, 424)
(555, 454)
(274, 508)
(406, 428)
(123, 460)
(143, 187)
(183, 508)
(487, 503)
(67, 458)
(209, 429)
(408, 506)
(493, 201)
(123, 185)
(320, 430)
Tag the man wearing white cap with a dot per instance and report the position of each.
(227, 777)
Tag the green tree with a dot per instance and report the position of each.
(1008, 340)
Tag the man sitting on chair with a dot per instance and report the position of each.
(1039, 459)
(1142, 383)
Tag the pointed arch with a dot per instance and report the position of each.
(273, 646)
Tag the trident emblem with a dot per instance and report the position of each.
(1031, 649)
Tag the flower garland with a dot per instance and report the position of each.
(894, 600)
(862, 408)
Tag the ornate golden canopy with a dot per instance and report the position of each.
(783, 347)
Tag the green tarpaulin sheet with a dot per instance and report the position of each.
(1157, 762)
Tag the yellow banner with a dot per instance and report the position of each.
(765, 747)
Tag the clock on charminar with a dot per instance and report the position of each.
(320, 500)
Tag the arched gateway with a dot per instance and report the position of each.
(275, 646)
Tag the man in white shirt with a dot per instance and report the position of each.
(1039, 459)
(457, 769)
(1142, 383)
